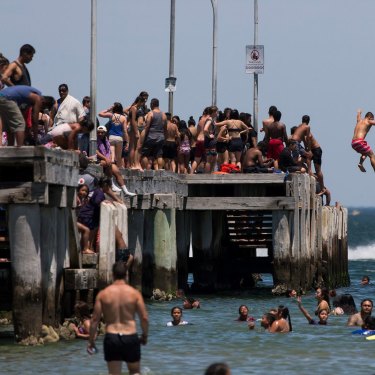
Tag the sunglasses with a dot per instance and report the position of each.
(63, 90)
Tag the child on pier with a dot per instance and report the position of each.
(82, 200)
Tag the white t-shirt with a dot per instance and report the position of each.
(182, 323)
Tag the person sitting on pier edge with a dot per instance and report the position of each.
(359, 318)
(322, 314)
(104, 156)
(191, 303)
(67, 109)
(84, 176)
(66, 135)
(253, 161)
(286, 161)
(11, 100)
(176, 314)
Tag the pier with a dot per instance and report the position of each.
(234, 224)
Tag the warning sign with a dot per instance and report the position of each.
(255, 59)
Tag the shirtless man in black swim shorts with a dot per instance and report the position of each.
(119, 303)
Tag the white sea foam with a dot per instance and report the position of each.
(362, 252)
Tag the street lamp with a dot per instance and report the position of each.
(171, 55)
(255, 100)
(92, 148)
(214, 52)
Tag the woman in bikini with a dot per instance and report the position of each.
(117, 131)
(235, 127)
(183, 152)
(81, 323)
(322, 296)
(134, 134)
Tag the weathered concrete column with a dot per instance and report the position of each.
(24, 235)
(202, 233)
(49, 262)
(224, 276)
(160, 251)
(136, 228)
(282, 243)
(183, 230)
(107, 243)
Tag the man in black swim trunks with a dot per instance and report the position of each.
(119, 303)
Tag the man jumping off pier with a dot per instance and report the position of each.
(358, 142)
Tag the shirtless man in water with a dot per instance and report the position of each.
(119, 303)
(358, 142)
(359, 318)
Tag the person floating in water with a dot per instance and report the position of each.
(243, 312)
(176, 313)
(365, 280)
(322, 314)
(191, 303)
(358, 142)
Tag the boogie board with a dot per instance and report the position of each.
(363, 332)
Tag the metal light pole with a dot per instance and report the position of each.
(171, 53)
(214, 52)
(92, 149)
(255, 102)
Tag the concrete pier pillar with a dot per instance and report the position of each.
(49, 229)
(282, 247)
(24, 234)
(136, 228)
(183, 230)
(202, 234)
(107, 243)
(160, 251)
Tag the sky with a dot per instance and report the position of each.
(319, 60)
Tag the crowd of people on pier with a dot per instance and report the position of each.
(138, 137)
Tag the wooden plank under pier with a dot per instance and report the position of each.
(224, 218)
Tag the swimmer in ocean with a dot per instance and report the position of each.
(322, 314)
(176, 314)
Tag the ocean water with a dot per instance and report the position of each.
(215, 335)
